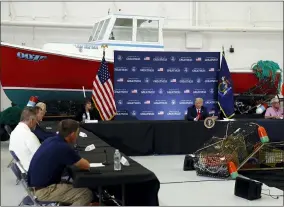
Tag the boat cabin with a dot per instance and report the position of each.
(136, 30)
(118, 32)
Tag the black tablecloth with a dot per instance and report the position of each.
(171, 137)
(141, 185)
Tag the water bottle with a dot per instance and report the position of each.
(84, 118)
(116, 159)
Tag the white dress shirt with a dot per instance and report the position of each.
(24, 143)
(88, 116)
(197, 110)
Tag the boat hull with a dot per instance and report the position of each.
(26, 72)
(51, 76)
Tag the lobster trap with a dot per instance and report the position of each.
(243, 149)
(212, 160)
(266, 156)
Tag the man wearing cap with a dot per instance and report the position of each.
(274, 112)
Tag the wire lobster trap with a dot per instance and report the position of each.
(266, 156)
(212, 160)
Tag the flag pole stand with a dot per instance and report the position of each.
(104, 49)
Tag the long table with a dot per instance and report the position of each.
(171, 137)
(134, 185)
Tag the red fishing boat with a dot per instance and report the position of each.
(58, 71)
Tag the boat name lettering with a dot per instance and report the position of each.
(83, 46)
(31, 57)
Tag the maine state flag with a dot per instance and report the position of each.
(225, 90)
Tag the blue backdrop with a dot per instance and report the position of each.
(162, 85)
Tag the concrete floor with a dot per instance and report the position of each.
(178, 188)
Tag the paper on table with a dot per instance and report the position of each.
(82, 134)
(124, 161)
(91, 121)
(96, 165)
(90, 147)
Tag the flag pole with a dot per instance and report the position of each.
(104, 49)
(223, 51)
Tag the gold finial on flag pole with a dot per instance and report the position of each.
(104, 49)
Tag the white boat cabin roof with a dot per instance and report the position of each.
(128, 29)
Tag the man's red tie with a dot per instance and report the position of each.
(198, 113)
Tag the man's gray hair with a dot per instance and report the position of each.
(274, 100)
(199, 99)
(28, 113)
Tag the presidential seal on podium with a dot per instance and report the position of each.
(209, 122)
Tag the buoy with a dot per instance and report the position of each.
(33, 100)
(262, 134)
(261, 108)
(232, 170)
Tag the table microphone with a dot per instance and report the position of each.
(106, 161)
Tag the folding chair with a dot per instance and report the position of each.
(31, 199)
(9, 131)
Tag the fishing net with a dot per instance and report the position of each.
(267, 70)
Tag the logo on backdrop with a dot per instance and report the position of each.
(198, 80)
(133, 113)
(173, 59)
(185, 59)
(119, 57)
(121, 69)
(147, 91)
(211, 59)
(147, 80)
(133, 69)
(160, 91)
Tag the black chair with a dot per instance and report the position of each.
(9, 131)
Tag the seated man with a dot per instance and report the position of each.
(40, 132)
(197, 111)
(49, 163)
(274, 112)
(22, 141)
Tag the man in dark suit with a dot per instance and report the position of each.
(39, 131)
(197, 111)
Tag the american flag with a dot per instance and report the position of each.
(187, 91)
(147, 58)
(147, 102)
(160, 69)
(198, 59)
(103, 94)
(211, 69)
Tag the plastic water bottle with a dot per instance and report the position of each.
(116, 159)
(84, 118)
